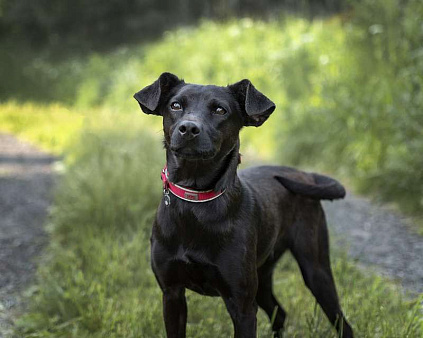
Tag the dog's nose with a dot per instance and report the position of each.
(189, 129)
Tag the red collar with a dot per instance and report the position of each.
(184, 193)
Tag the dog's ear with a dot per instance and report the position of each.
(255, 106)
(150, 97)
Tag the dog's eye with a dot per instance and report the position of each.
(220, 111)
(175, 106)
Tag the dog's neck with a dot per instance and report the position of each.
(216, 174)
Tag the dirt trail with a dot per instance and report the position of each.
(26, 182)
(378, 237)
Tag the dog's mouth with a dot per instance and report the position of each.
(198, 148)
(192, 154)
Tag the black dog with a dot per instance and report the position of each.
(223, 235)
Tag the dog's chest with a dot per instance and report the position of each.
(198, 273)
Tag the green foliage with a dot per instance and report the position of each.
(94, 23)
(348, 89)
(276, 56)
(49, 126)
(53, 75)
(347, 93)
(96, 280)
(367, 121)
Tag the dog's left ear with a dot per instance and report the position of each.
(256, 107)
(150, 97)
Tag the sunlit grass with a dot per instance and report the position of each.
(50, 127)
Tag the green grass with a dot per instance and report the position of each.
(51, 127)
(96, 280)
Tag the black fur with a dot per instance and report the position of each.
(229, 246)
(323, 188)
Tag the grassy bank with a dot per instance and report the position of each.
(96, 280)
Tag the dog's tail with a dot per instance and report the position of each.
(325, 188)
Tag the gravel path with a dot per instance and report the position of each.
(26, 182)
(378, 237)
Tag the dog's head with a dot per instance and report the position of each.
(200, 122)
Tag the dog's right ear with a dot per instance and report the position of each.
(150, 97)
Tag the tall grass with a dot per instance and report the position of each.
(96, 280)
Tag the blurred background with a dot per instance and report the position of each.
(346, 77)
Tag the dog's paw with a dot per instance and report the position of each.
(278, 334)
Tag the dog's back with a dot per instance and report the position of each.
(312, 185)
(289, 198)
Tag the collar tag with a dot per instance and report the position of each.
(191, 196)
(166, 197)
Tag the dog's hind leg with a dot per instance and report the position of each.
(243, 314)
(310, 247)
(265, 297)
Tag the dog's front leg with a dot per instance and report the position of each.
(243, 313)
(175, 312)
